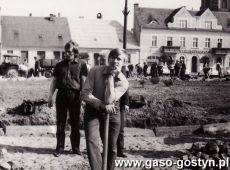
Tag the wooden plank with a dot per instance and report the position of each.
(170, 131)
(30, 130)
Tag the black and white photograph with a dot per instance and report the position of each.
(114, 84)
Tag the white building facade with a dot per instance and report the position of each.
(191, 36)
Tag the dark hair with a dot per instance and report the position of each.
(72, 44)
(116, 52)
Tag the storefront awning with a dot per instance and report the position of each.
(220, 51)
(170, 49)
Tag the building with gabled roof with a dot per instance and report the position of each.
(28, 36)
(98, 36)
(180, 34)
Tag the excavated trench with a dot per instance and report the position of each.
(143, 114)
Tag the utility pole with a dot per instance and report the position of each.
(125, 13)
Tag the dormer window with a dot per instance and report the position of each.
(60, 36)
(183, 24)
(208, 24)
(40, 36)
(154, 21)
(16, 33)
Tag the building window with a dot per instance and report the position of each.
(195, 42)
(129, 58)
(41, 54)
(208, 24)
(224, 4)
(228, 61)
(24, 57)
(57, 55)
(182, 41)
(219, 43)
(183, 24)
(152, 57)
(10, 51)
(207, 42)
(169, 41)
(154, 41)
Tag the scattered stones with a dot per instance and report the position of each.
(213, 150)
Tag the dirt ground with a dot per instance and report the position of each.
(184, 103)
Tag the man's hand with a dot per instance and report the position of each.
(50, 101)
(126, 108)
(109, 108)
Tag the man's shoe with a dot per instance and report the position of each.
(76, 151)
(57, 153)
(122, 155)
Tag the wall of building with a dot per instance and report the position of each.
(189, 51)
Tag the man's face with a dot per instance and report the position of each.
(115, 62)
(69, 55)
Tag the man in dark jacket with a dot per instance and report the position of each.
(69, 76)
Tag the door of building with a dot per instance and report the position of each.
(194, 64)
(24, 57)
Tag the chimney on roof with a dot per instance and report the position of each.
(135, 6)
(59, 14)
(99, 15)
(52, 17)
(30, 14)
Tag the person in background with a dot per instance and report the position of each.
(219, 69)
(69, 76)
(183, 70)
(171, 68)
(206, 70)
(177, 68)
(37, 67)
(145, 68)
(154, 70)
(124, 108)
(130, 66)
(101, 92)
(24, 68)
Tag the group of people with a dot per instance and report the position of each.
(206, 70)
(104, 89)
(177, 69)
(27, 72)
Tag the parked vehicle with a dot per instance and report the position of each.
(47, 66)
(10, 65)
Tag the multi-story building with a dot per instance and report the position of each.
(28, 36)
(180, 34)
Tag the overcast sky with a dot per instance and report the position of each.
(110, 9)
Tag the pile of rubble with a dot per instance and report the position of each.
(213, 152)
(29, 113)
(168, 112)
